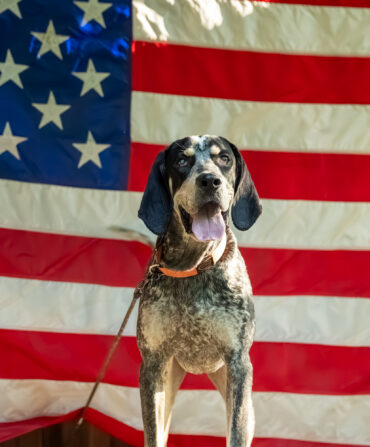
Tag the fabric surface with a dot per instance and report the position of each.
(90, 92)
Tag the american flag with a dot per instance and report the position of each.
(90, 92)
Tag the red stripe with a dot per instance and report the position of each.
(10, 430)
(279, 367)
(135, 437)
(283, 175)
(142, 156)
(104, 261)
(250, 76)
(27, 254)
(117, 429)
(308, 272)
(343, 3)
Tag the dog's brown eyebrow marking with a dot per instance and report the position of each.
(215, 150)
(189, 152)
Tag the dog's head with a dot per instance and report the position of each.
(203, 179)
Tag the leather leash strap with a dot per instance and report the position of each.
(137, 293)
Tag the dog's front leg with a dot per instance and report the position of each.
(152, 393)
(240, 414)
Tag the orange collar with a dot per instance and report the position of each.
(204, 265)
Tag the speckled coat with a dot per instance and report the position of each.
(204, 323)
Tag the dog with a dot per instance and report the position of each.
(196, 312)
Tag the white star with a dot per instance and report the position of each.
(9, 142)
(90, 151)
(91, 79)
(51, 111)
(12, 5)
(50, 41)
(10, 70)
(93, 10)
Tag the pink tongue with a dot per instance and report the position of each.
(208, 223)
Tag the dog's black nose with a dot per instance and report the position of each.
(208, 182)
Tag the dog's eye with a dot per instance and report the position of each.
(182, 162)
(224, 159)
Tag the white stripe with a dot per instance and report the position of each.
(88, 212)
(313, 319)
(341, 419)
(244, 25)
(85, 308)
(293, 127)
(64, 307)
(68, 210)
(309, 224)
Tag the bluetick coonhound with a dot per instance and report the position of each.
(196, 312)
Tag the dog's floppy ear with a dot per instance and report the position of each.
(246, 206)
(156, 205)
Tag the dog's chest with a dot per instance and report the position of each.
(196, 323)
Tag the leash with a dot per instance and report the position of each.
(137, 294)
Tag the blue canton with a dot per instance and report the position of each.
(94, 114)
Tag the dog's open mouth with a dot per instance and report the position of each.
(207, 224)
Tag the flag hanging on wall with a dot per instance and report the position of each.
(90, 92)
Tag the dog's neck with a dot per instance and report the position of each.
(180, 250)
